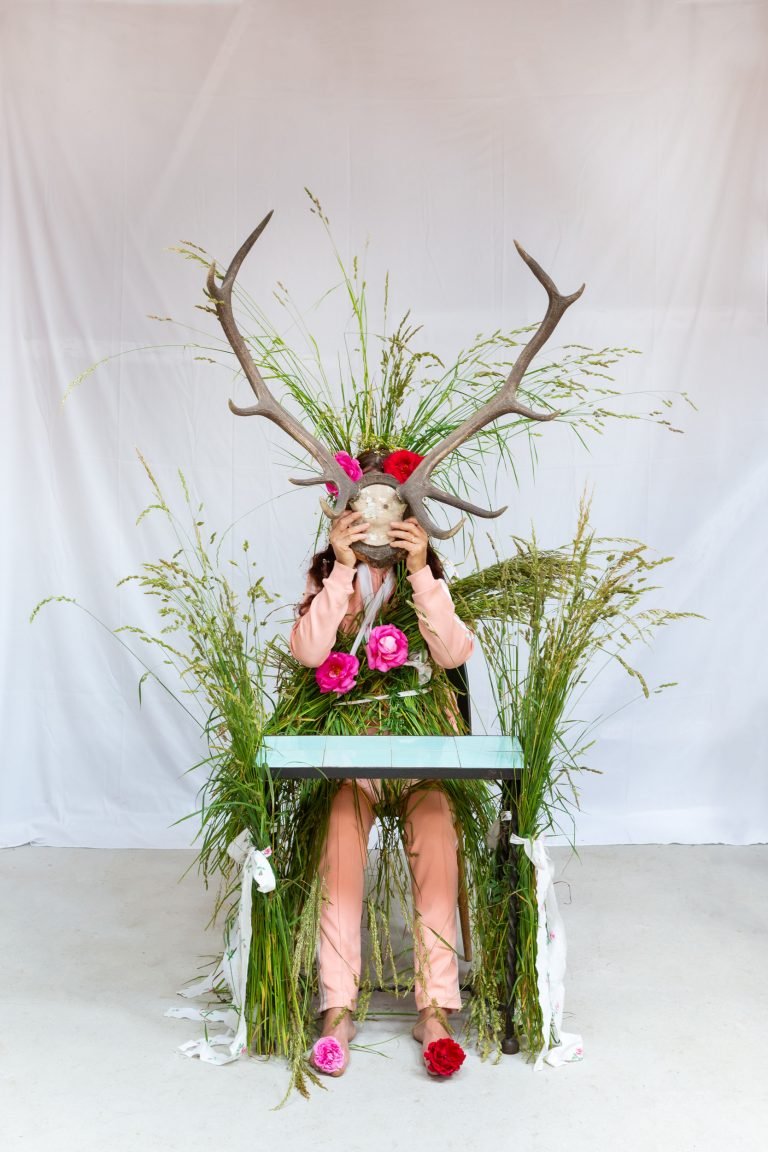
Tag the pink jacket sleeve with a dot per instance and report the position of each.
(314, 634)
(450, 641)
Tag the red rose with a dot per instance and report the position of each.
(400, 464)
(444, 1057)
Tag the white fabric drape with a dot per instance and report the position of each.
(622, 144)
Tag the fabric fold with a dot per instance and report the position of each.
(232, 968)
(567, 1047)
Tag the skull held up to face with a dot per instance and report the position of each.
(380, 504)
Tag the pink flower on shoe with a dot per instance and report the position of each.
(387, 648)
(328, 1054)
(337, 672)
(350, 465)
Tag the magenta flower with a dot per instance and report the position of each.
(350, 465)
(387, 648)
(328, 1054)
(337, 672)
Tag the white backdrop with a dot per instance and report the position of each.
(622, 143)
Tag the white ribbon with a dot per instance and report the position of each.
(232, 968)
(371, 699)
(372, 602)
(550, 958)
(420, 661)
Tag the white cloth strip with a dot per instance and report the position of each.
(370, 699)
(550, 957)
(232, 968)
(372, 603)
(421, 662)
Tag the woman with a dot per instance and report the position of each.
(334, 600)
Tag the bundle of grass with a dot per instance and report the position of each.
(542, 641)
(540, 617)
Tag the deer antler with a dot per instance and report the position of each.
(417, 487)
(267, 405)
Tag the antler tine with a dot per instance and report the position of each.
(426, 521)
(417, 487)
(267, 405)
(429, 525)
(433, 493)
(558, 305)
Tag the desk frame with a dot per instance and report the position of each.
(509, 780)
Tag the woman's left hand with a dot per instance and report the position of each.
(411, 537)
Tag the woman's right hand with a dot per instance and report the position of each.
(347, 530)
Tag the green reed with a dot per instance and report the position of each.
(540, 617)
(576, 608)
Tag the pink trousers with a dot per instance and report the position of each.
(431, 847)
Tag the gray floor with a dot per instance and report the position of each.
(668, 963)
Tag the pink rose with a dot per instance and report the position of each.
(350, 465)
(337, 672)
(387, 648)
(328, 1054)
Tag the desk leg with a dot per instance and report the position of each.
(509, 790)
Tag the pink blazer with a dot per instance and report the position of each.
(339, 601)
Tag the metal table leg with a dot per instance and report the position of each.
(508, 862)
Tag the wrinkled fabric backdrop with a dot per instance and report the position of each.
(623, 144)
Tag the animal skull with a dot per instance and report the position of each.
(380, 504)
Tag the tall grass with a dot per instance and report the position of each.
(576, 610)
(542, 618)
(387, 391)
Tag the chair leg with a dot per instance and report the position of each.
(466, 936)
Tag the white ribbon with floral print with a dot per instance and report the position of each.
(550, 957)
(232, 968)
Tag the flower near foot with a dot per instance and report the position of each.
(444, 1057)
(328, 1055)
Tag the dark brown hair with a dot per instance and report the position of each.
(323, 561)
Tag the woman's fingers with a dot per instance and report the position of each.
(406, 534)
(404, 543)
(347, 523)
(409, 534)
(355, 530)
(413, 539)
(349, 516)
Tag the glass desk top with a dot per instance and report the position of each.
(412, 757)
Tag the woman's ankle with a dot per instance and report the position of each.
(438, 1013)
(338, 1019)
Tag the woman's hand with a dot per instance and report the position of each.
(344, 532)
(411, 537)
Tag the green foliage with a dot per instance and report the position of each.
(544, 619)
(387, 393)
(554, 616)
(377, 702)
